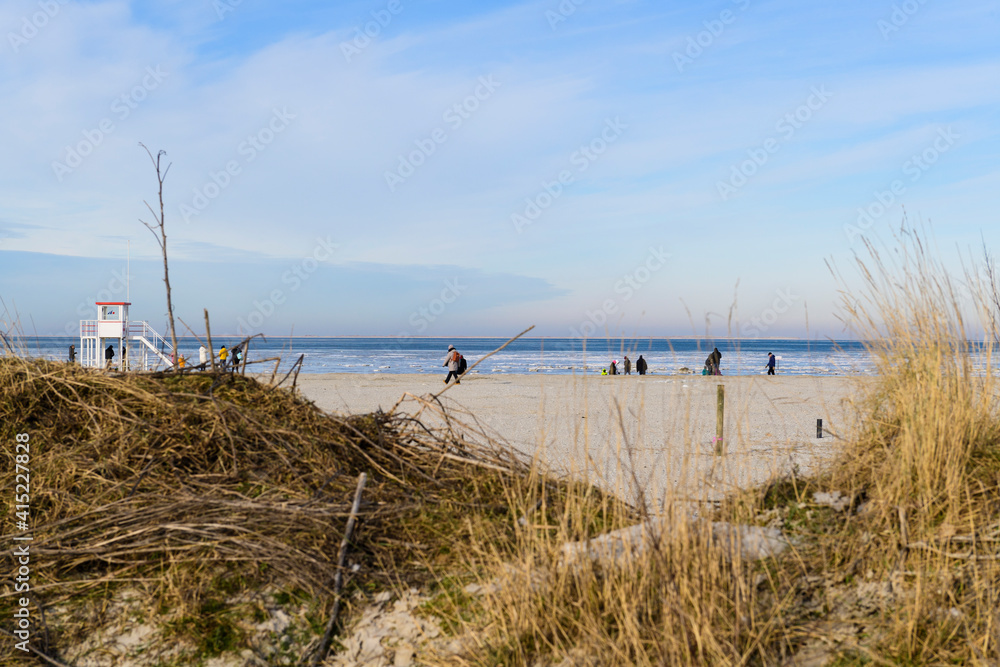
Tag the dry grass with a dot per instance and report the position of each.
(200, 490)
(156, 481)
(907, 574)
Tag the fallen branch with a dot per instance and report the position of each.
(338, 581)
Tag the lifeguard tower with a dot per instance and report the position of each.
(135, 343)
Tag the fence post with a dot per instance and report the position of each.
(720, 410)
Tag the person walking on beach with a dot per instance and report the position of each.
(451, 361)
(202, 356)
(237, 356)
(628, 365)
(614, 367)
(72, 354)
(223, 355)
(109, 355)
(640, 365)
(770, 363)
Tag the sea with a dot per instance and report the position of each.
(555, 356)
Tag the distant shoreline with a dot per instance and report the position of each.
(608, 338)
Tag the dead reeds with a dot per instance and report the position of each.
(149, 480)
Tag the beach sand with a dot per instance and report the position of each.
(630, 433)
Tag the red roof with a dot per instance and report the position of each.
(113, 303)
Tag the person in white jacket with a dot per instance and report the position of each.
(202, 355)
(451, 361)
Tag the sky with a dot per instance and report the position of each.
(433, 168)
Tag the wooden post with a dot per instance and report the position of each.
(819, 428)
(208, 335)
(720, 412)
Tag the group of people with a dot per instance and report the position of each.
(457, 366)
(713, 363)
(640, 366)
(233, 357)
(715, 360)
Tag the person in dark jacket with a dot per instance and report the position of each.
(109, 355)
(640, 365)
(770, 363)
(614, 368)
(72, 353)
(714, 361)
(628, 366)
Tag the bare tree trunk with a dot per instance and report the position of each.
(161, 238)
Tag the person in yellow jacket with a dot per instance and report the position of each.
(223, 354)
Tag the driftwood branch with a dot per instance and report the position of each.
(297, 364)
(338, 581)
(208, 335)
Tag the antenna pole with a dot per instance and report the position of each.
(128, 262)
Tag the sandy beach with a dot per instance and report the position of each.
(630, 432)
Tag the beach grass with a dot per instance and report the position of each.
(902, 569)
(198, 505)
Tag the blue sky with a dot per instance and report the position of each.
(621, 168)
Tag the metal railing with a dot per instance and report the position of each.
(137, 356)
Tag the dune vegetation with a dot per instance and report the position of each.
(199, 516)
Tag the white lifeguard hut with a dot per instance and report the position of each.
(135, 343)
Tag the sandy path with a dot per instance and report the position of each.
(652, 432)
